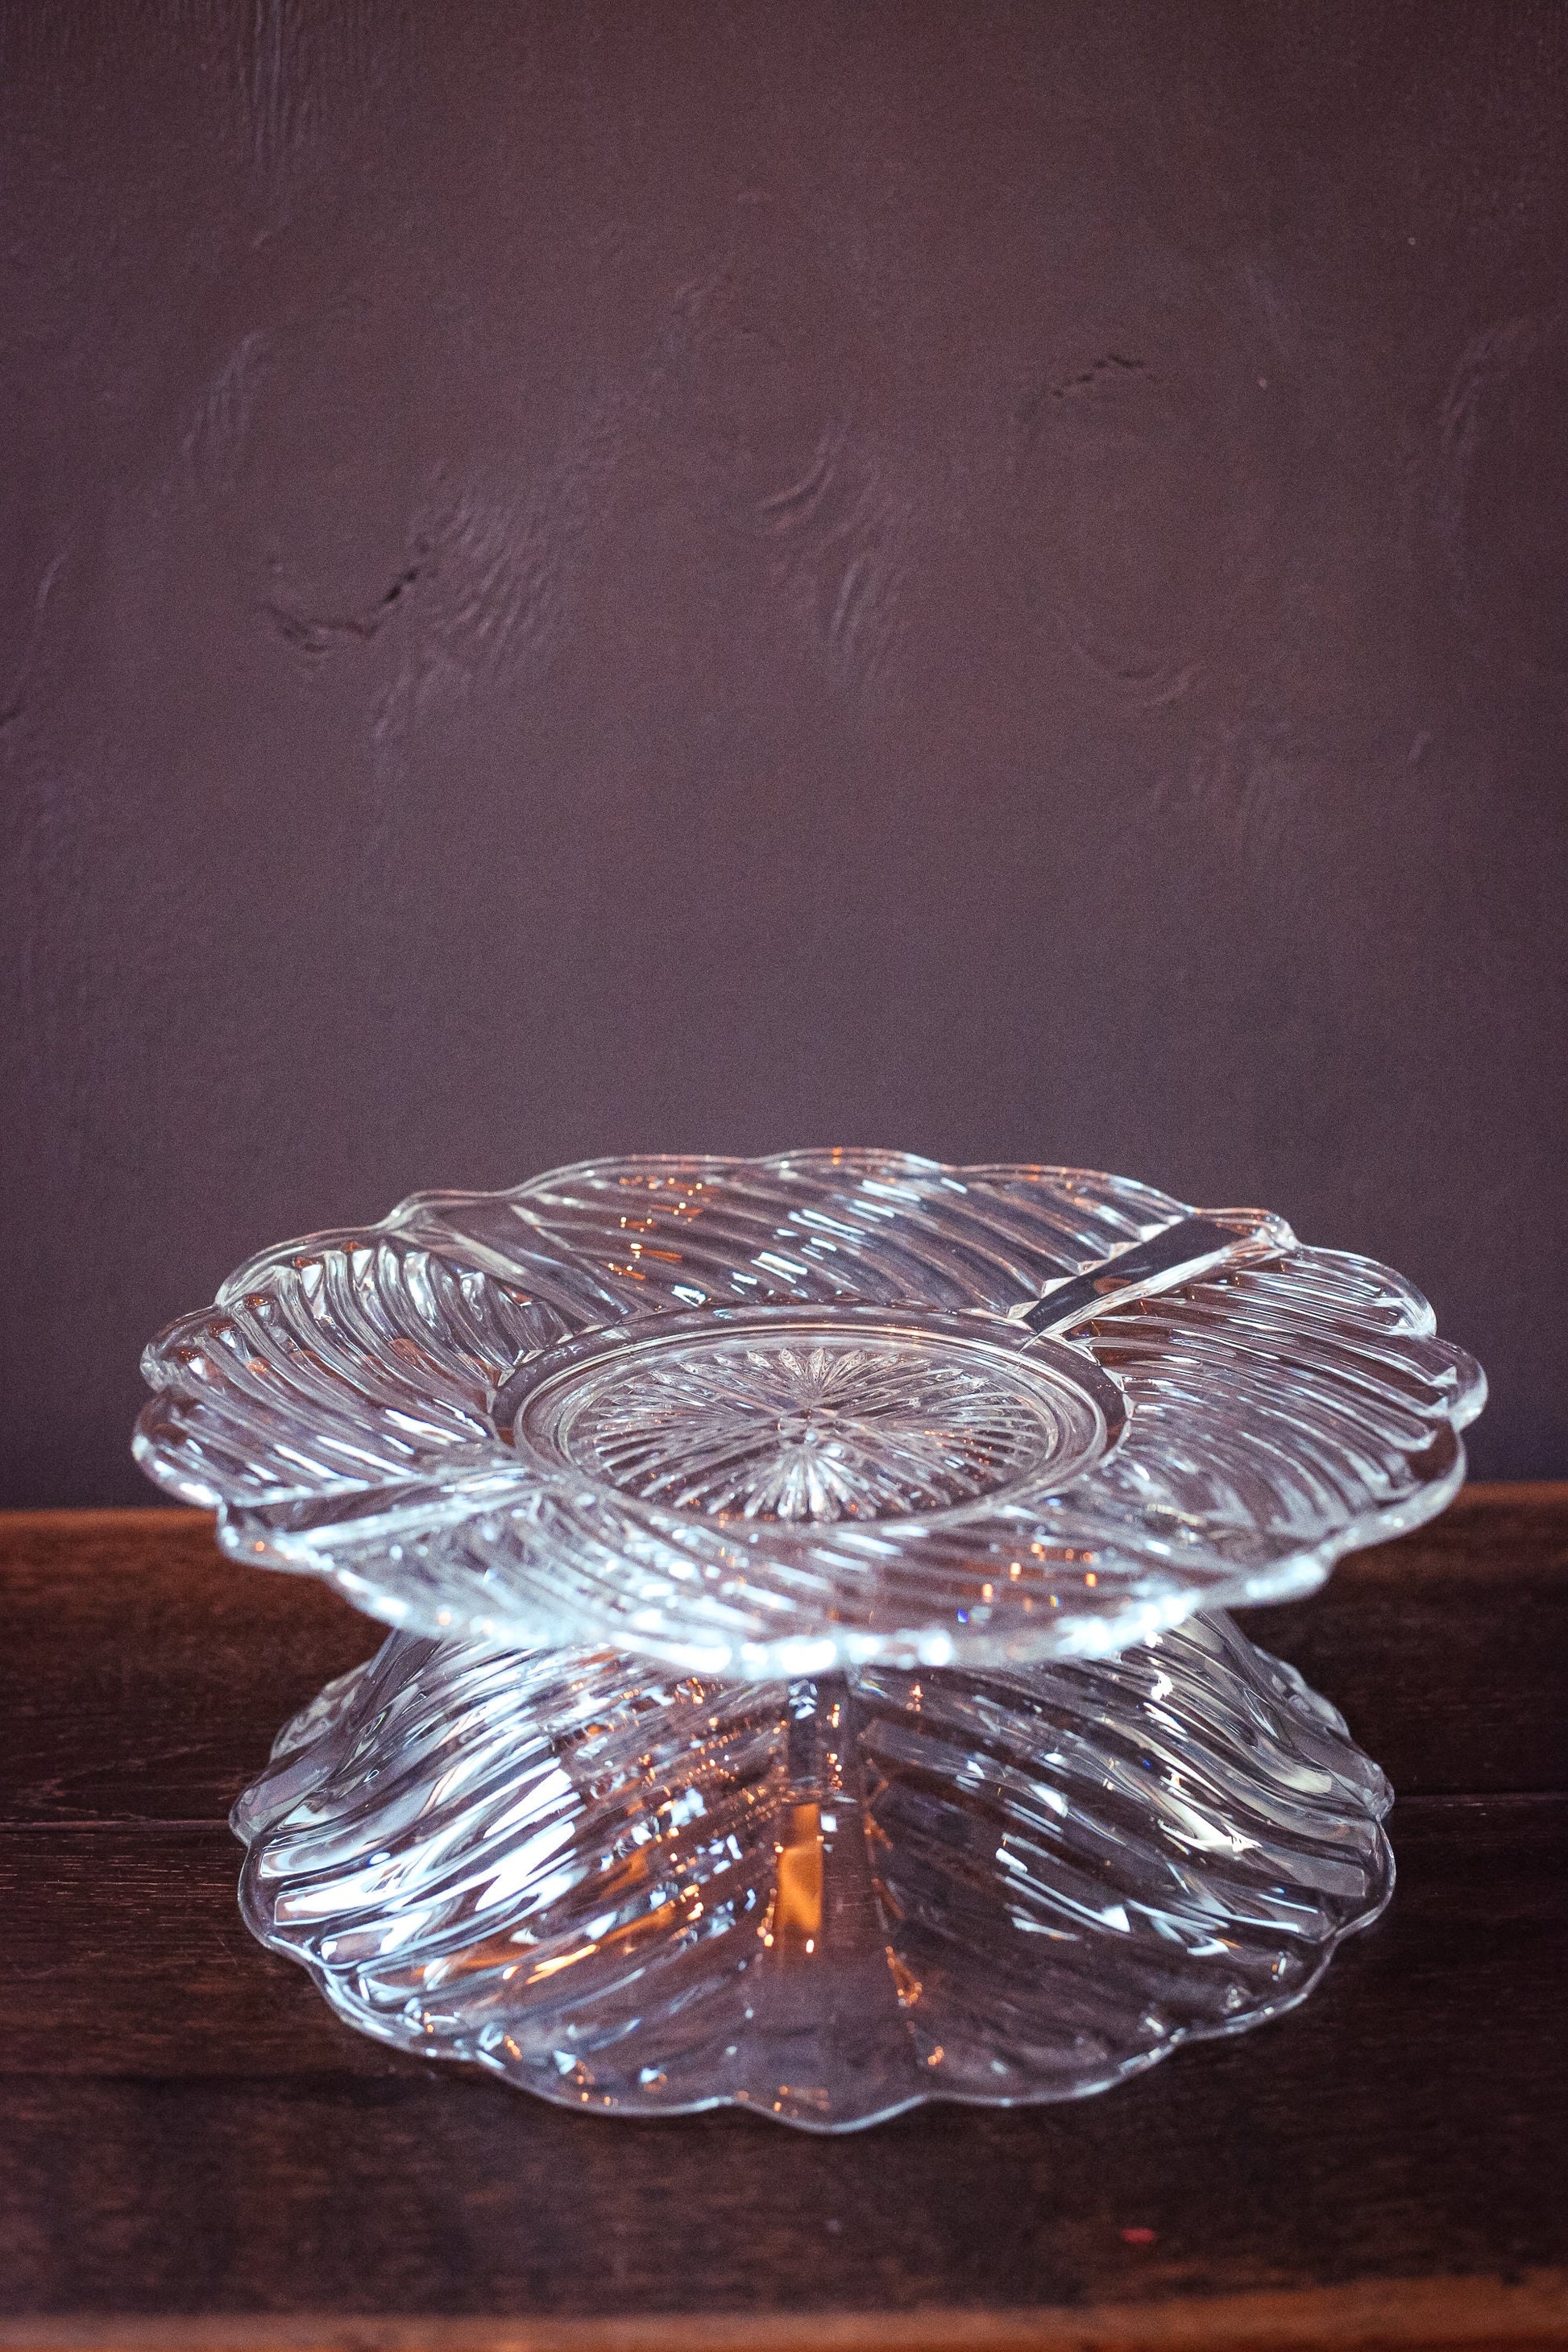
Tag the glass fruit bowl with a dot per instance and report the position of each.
(810, 1687)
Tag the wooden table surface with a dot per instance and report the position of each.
(194, 2154)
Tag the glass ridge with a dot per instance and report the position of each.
(827, 1900)
(784, 1415)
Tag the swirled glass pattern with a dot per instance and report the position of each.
(822, 1410)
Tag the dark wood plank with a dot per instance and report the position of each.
(185, 2129)
(130, 1957)
(141, 1673)
(1449, 1651)
(127, 1954)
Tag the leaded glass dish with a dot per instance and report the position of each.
(809, 1685)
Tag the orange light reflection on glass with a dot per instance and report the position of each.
(797, 1907)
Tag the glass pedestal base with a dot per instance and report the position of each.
(635, 1892)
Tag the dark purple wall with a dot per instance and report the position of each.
(986, 578)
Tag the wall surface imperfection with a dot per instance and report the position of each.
(612, 575)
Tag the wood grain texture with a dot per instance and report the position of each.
(188, 1668)
(189, 2143)
(1446, 2314)
(1446, 1651)
(196, 1664)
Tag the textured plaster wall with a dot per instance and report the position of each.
(583, 578)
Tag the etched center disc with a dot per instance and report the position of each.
(787, 1415)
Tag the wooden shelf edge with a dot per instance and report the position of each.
(125, 1516)
(1442, 2314)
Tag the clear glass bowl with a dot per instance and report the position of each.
(793, 1700)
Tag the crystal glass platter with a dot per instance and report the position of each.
(809, 1685)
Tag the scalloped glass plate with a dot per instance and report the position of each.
(765, 1416)
(791, 1701)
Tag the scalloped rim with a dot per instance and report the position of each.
(244, 1531)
